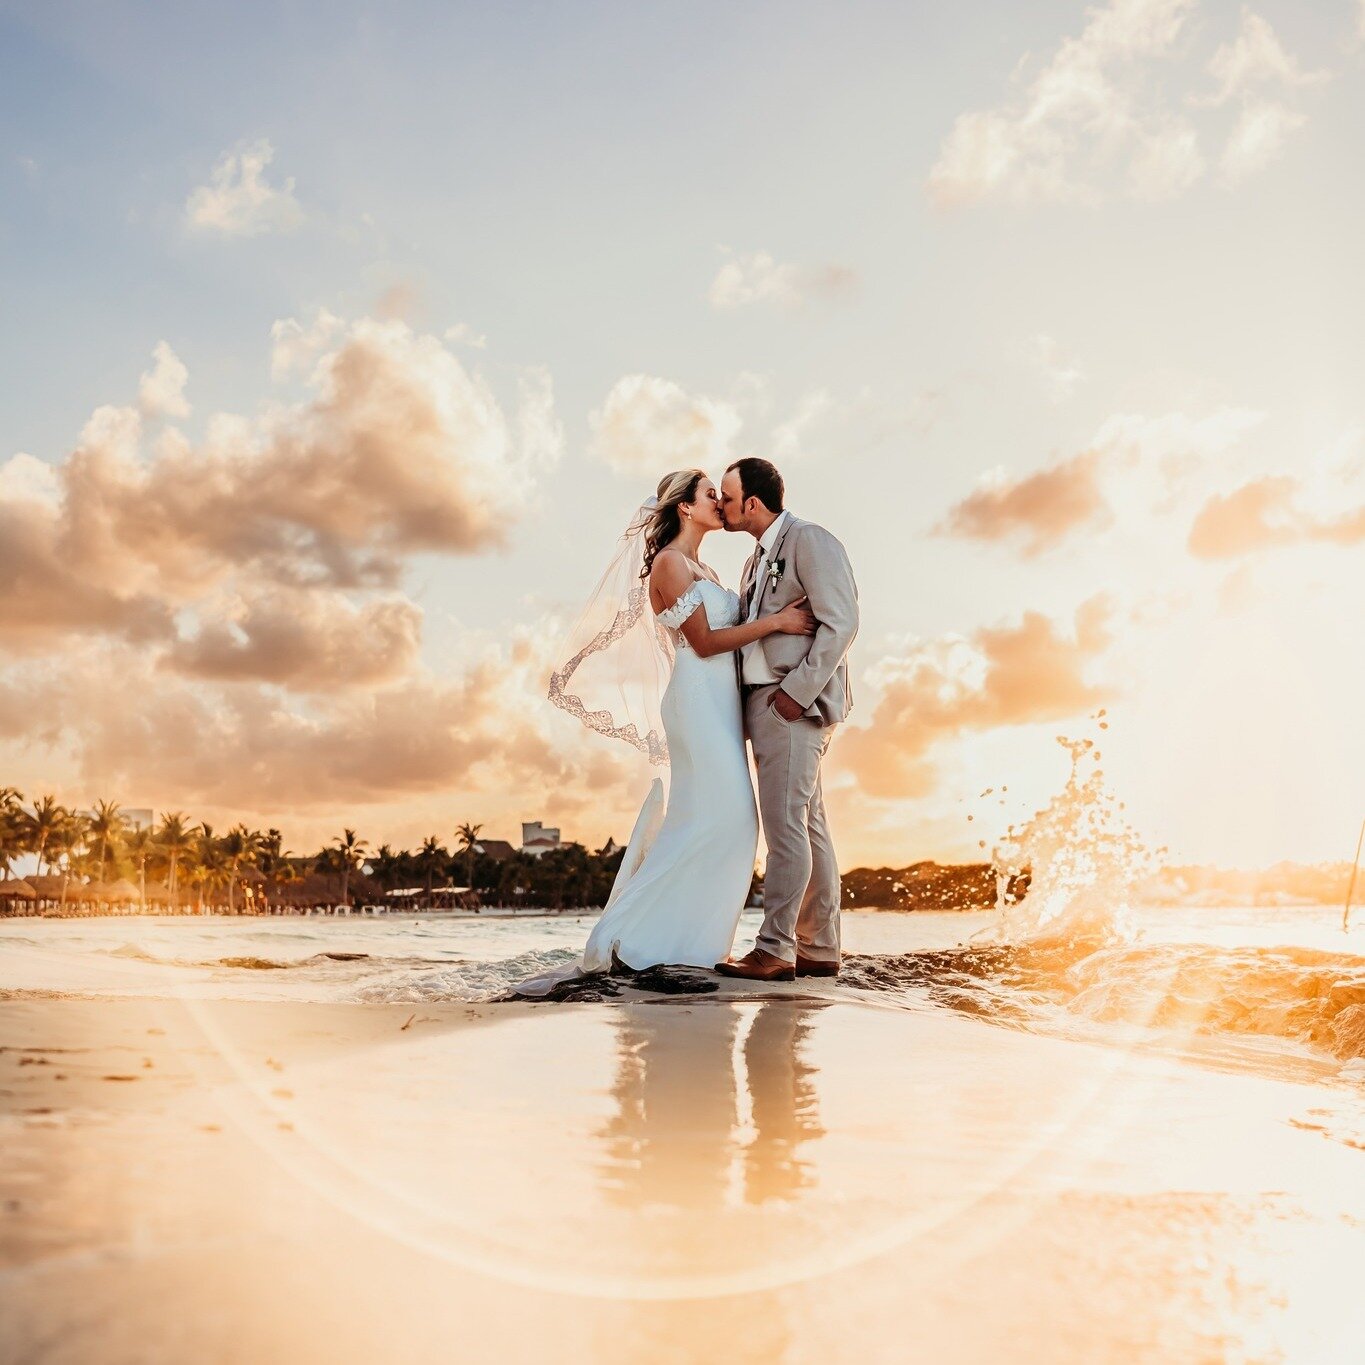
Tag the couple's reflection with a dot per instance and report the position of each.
(713, 1104)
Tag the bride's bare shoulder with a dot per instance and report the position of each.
(670, 566)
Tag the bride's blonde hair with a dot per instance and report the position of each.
(665, 523)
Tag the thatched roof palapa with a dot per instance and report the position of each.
(49, 885)
(16, 888)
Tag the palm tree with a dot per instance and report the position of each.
(239, 845)
(350, 853)
(430, 854)
(207, 866)
(106, 825)
(468, 835)
(176, 837)
(139, 843)
(14, 837)
(384, 864)
(48, 817)
(273, 860)
(66, 839)
(284, 873)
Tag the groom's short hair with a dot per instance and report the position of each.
(760, 479)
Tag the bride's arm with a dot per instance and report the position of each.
(670, 578)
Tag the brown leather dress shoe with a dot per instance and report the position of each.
(813, 966)
(757, 965)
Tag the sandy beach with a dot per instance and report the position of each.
(763, 1172)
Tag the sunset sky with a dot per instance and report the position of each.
(340, 341)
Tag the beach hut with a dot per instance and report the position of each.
(159, 895)
(122, 892)
(15, 894)
(52, 887)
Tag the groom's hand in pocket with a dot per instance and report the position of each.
(786, 707)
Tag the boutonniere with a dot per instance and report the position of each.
(776, 568)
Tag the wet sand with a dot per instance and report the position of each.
(752, 1174)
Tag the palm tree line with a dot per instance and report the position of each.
(244, 870)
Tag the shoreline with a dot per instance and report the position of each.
(373, 1182)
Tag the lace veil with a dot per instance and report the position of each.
(618, 657)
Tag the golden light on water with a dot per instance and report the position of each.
(342, 343)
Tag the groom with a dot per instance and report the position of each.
(795, 690)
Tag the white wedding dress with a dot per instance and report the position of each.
(686, 872)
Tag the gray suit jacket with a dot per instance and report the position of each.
(813, 669)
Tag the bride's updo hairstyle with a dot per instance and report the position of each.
(676, 490)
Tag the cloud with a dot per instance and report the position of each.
(998, 676)
(239, 201)
(220, 623)
(1061, 374)
(399, 300)
(759, 278)
(1258, 138)
(393, 449)
(792, 438)
(117, 722)
(650, 426)
(462, 334)
(26, 479)
(1253, 60)
(1247, 70)
(1082, 113)
(307, 641)
(161, 390)
(1268, 512)
(1135, 466)
(1036, 512)
(1102, 118)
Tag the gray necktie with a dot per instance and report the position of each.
(751, 580)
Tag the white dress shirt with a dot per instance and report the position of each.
(754, 668)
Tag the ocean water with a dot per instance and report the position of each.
(1278, 990)
(1275, 989)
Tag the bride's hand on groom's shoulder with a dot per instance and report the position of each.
(795, 619)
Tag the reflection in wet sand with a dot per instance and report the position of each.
(713, 1114)
(784, 1103)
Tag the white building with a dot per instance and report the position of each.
(537, 838)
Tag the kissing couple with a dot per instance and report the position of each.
(671, 661)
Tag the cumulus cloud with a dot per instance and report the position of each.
(1035, 512)
(1256, 71)
(307, 641)
(1100, 119)
(1134, 466)
(393, 449)
(1086, 110)
(1255, 59)
(1268, 512)
(1261, 132)
(462, 334)
(121, 723)
(758, 277)
(26, 479)
(1013, 674)
(648, 426)
(161, 390)
(239, 200)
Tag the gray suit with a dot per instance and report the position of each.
(801, 884)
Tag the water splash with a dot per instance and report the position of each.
(1083, 860)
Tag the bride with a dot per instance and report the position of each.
(652, 662)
